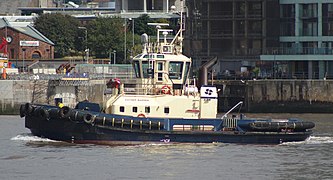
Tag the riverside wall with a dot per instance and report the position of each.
(292, 96)
(259, 96)
(17, 92)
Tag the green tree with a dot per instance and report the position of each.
(105, 35)
(141, 25)
(61, 29)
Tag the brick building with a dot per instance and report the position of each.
(25, 42)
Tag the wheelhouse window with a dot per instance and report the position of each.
(175, 70)
(136, 65)
(187, 67)
(160, 66)
(160, 56)
(145, 68)
(148, 56)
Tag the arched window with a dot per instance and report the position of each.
(36, 55)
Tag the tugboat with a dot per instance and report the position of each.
(163, 106)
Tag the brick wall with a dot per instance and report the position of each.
(15, 51)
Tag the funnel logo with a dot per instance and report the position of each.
(209, 92)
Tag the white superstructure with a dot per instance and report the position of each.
(162, 88)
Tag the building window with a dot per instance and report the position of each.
(327, 28)
(287, 28)
(135, 109)
(287, 11)
(166, 110)
(309, 10)
(35, 55)
(12, 52)
(310, 28)
(122, 109)
(147, 109)
(255, 9)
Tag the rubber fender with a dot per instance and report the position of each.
(28, 109)
(74, 115)
(65, 112)
(43, 113)
(88, 118)
(54, 113)
(22, 110)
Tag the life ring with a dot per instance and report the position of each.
(141, 115)
(28, 108)
(89, 118)
(64, 112)
(22, 110)
(166, 89)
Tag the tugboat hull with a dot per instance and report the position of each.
(85, 127)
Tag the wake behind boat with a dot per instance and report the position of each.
(162, 105)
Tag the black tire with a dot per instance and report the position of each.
(65, 112)
(22, 110)
(43, 113)
(28, 109)
(54, 113)
(74, 115)
(88, 118)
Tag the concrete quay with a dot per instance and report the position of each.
(17, 92)
(277, 96)
(259, 96)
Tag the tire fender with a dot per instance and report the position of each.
(89, 118)
(22, 110)
(43, 113)
(28, 109)
(65, 112)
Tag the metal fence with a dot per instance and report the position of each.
(90, 71)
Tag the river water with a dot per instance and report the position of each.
(23, 156)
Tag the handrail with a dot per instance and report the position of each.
(226, 114)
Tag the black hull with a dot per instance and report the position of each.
(65, 129)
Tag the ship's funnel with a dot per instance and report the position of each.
(203, 71)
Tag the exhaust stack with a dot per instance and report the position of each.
(203, 71)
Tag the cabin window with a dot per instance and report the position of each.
(122, 109)
(147, 109)
(135, 109)
(160, 56)
(160, 77)
(166, 110)
(175, 70)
